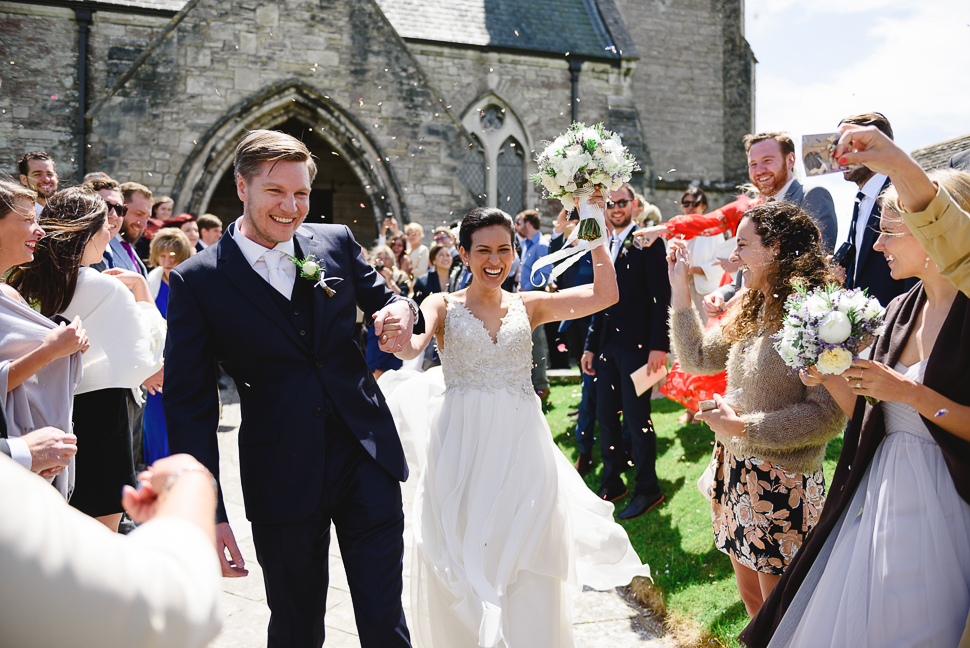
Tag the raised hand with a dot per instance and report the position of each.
(678, 271)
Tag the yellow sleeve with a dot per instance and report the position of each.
(943, 229)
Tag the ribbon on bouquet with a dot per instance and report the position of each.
(570, 254)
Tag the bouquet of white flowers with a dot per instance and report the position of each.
(580, 161)
(828, 327)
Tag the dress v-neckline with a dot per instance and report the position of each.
(501, 324)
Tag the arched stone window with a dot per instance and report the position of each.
(494, 169)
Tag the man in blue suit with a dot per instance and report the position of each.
(865, 268)
(623, 338)
(317, 443)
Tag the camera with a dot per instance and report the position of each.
(845, 255)
(379, 267)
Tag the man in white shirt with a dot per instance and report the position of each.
(210, 230)
(38, 172)
(864, 267)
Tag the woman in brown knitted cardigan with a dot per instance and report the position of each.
(770, 439)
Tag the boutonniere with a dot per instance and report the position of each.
(627, 243)
(311, 269)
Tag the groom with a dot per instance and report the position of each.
(317, 443)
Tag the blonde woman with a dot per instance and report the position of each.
(418, 252)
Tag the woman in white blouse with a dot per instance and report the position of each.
(40, 361)
(126, 333)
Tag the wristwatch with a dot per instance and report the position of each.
(413, 305)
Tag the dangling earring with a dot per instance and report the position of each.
(927, 265)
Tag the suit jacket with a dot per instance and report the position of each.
(960, 161)
(427, 284)
(947, 372)
(639, 319)
(121, 258)
(817, 202)
(873, 271)
(221, 310)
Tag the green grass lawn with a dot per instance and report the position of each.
(694, 579)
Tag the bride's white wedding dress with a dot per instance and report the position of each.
(895, 572)
(502, 521)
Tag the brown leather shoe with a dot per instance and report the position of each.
(584, 465)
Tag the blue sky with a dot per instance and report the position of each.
(822, 60)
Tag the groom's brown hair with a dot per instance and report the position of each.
(270, 146)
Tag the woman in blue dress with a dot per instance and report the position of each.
(169, 248)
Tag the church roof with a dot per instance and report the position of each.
(938, 155)
(583, 28)
(157, 7)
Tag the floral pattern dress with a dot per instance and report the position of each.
(760, 512)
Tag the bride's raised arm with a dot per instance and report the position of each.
(577, 302)
(434, 316)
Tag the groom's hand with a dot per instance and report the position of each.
(393, 325)
(234, 566)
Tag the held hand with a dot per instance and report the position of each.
(811, 377)
(50, 450)
(234, 566)
(67, 339)
(142, 504)
(656, 360)
(586, 363)
(876, 380)
(713, 304)
(722, 419)
(560, 225)
(393, 326)
(154, 382)
(678, 263)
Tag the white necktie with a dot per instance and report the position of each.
(614, 244)
(277, 279)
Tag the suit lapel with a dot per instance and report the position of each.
(795, 194)
(309, 245)
(237, 269)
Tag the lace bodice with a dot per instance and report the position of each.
(471, 361)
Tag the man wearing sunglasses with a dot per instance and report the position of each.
(111, 192)
(623, 338)
(137, 207)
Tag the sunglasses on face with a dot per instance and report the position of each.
(690, 203)
(619, 203)
(121, 210)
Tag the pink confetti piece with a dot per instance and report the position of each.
(53, 97)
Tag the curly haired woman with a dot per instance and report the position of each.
(768, 488)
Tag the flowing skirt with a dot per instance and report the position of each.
(502, 521)
(895, 572)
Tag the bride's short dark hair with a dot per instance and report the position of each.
(483, 217)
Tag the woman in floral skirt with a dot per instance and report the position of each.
(768, 487)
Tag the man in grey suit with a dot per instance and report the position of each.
(138, 205)
(771, 162)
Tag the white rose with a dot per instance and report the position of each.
(788, 352)
(310, 268)
(850, 302)
(835, 327)
(600, 179)
(588, 134)
(573, 163)
(834, 361)
(568, 203)
(571, 187)
(873, 309)
(550, 183)
(816, 304)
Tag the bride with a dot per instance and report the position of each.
(502, 521)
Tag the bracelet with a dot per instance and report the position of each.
(202, 469)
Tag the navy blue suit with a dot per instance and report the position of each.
(873, 270)
(317, 442)
(622, 337)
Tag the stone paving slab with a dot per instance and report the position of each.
(600, 619)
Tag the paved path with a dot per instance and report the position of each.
(601, 619)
